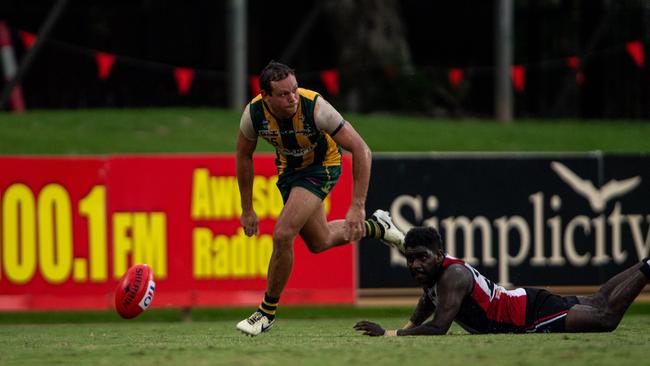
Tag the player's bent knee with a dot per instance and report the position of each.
(610, 321)
(316, 248)
(282, 238)
(604, 322)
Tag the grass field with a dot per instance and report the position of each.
(214, 130)
(304, 336)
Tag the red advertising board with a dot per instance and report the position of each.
(71, 226)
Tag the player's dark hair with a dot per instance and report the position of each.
(424, 236)
(274, 71)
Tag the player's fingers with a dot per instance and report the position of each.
(347, 233)
(250, 230)
(358, 231)
(246, 226)
(360, 325)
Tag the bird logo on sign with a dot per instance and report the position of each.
(597, 197)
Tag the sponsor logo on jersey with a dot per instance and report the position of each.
(269, 133)
(297, 152)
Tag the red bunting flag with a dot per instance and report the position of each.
(518, 77)
(573, 62)
(184, 77)
(27, 38)
(456, 77)
(254, 84)
(7, 57)
(331, 80)
(635, 49)
(105, 62)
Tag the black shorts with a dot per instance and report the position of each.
(317, 179)
(546, 312)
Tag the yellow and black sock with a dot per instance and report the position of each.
(373, 229)
(268, 306)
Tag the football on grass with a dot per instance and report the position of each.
(134, 292)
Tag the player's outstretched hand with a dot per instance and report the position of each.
(370, 328)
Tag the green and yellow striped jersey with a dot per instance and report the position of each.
(298, 142)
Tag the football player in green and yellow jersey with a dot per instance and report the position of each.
(308, 134)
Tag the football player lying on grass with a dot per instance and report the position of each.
(455, 291)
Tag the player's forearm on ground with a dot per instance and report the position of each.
(409, 324)
(423, 310)
(424, 329)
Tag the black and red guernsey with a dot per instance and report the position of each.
(490, 308)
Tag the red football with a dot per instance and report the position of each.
(134, 292)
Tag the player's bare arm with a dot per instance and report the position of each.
(453, 285)
(422, 312)
(350, 140)
(245, 150)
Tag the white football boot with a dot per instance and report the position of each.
(255, 324)
(392, 237)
